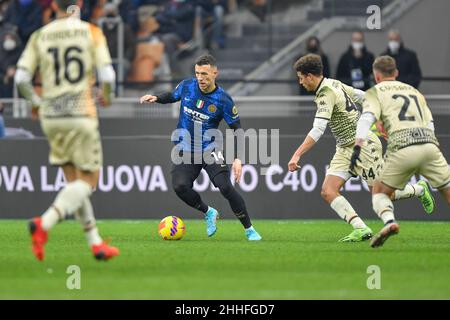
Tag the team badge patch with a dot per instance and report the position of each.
(212, 108)
(200, 104)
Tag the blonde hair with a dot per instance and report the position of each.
(386, 65)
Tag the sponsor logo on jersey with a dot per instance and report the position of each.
(212, 108)
(195, 114)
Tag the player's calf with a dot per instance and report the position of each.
(383, 207)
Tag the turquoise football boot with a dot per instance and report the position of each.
(252, 235)
(211, 217)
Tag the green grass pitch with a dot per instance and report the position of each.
(296, 260)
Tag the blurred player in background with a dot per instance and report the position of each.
(336, 107)
(412, 144)
(66, 51)
(205, 104)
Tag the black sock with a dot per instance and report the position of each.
(237, 204)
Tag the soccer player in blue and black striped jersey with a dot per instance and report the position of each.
(203, 106)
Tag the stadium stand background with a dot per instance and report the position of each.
(256, 66)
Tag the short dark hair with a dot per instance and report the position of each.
(386, 65)
(205, 60)
(65, 4)
(311, 63)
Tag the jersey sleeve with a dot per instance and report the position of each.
(355, 94)
(325, 100)
(230, 111)
(371, 103)
(102, 56)
(178, 91)
(30, 57)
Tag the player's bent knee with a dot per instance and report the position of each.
(328, 194)
(90, 177)
(181, 187)
(225, 189)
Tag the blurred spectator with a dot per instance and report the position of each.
(110, 28)
(139, 3)
(26, 15)
(176, 24)
(407, 62)
(10, 50)
(128, 12)
(355, 65)
(97, 11)
(3, 6)
(213, 12)
(259, 8)
(48, 14)
(313, 46)
(87, 8)
(2, 122)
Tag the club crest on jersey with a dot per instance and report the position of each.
(200, 104)
(212, 108)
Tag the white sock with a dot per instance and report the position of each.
(93, 237)
(67, 202)
(357, 223)
(86, 217)
(344, 209)
(409, 192)
(50, 218)
(383, 207)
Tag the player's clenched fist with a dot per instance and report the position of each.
(293, 164)
(148, 98)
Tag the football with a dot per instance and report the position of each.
(171, 228)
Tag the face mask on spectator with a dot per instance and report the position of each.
(357, 46)
(25, 2)
(110, 25)
(9, 44)
(313, 49)
(394, 46)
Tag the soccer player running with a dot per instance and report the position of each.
(203, 105)
(336, 107)
(412, 144)
(66, 51)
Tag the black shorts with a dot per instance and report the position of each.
(213, 167)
